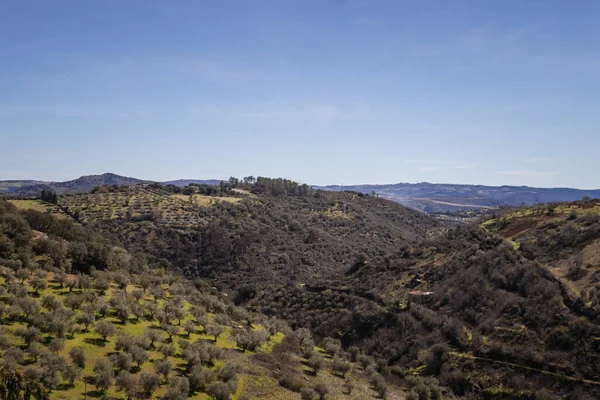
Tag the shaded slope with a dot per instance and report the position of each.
(259, 239)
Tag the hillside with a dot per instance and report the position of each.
(236, 237)
(485, 318)
(79, 315)
(434, 197)
(564, 237)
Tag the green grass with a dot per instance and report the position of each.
(37, 205)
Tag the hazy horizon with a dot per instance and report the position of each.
(322, 92)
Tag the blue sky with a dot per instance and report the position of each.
(323, 92)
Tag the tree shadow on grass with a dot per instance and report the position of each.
(96, 394)
(95, 341)
(64, 386)
(134, 369)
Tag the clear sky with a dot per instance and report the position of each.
(323, 92)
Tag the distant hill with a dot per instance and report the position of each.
(186, 182)
(426, 197)
(436, 197)
(82, 184)
(31, 187)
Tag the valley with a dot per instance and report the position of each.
(504, 306)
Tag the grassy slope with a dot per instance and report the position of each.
(38, 205)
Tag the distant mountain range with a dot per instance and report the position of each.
(427, 197)
(437, 197)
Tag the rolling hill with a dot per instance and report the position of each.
(426, 197)
(504, 308)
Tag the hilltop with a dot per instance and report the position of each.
(187, 182)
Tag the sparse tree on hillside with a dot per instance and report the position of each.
(157, 292)
(77, 355)
(39, 284)
(127, 383)
(153, 335)
(149, 381)
(178, 389)
(61, 277)
(171, 331)
(348, 385)
(316, 362)
(103, 374)
(167, 350)
(214, 330)
(86, 318)
(102, 284)
(22, 274)
(322, 390)
(84, 282)
(189, 327)
(71, 283)
(71, 373)
(121, 361)
(105, 329)
(50, 302)
(56, 345)
(378, 382)
(200, 378)
(138, 295)
(307, 393)
(29, 335)
(123, 342)
(222, 390)
(36, 350)
(139, 355)
(163, 367)
(73, 301)
(341, 366)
